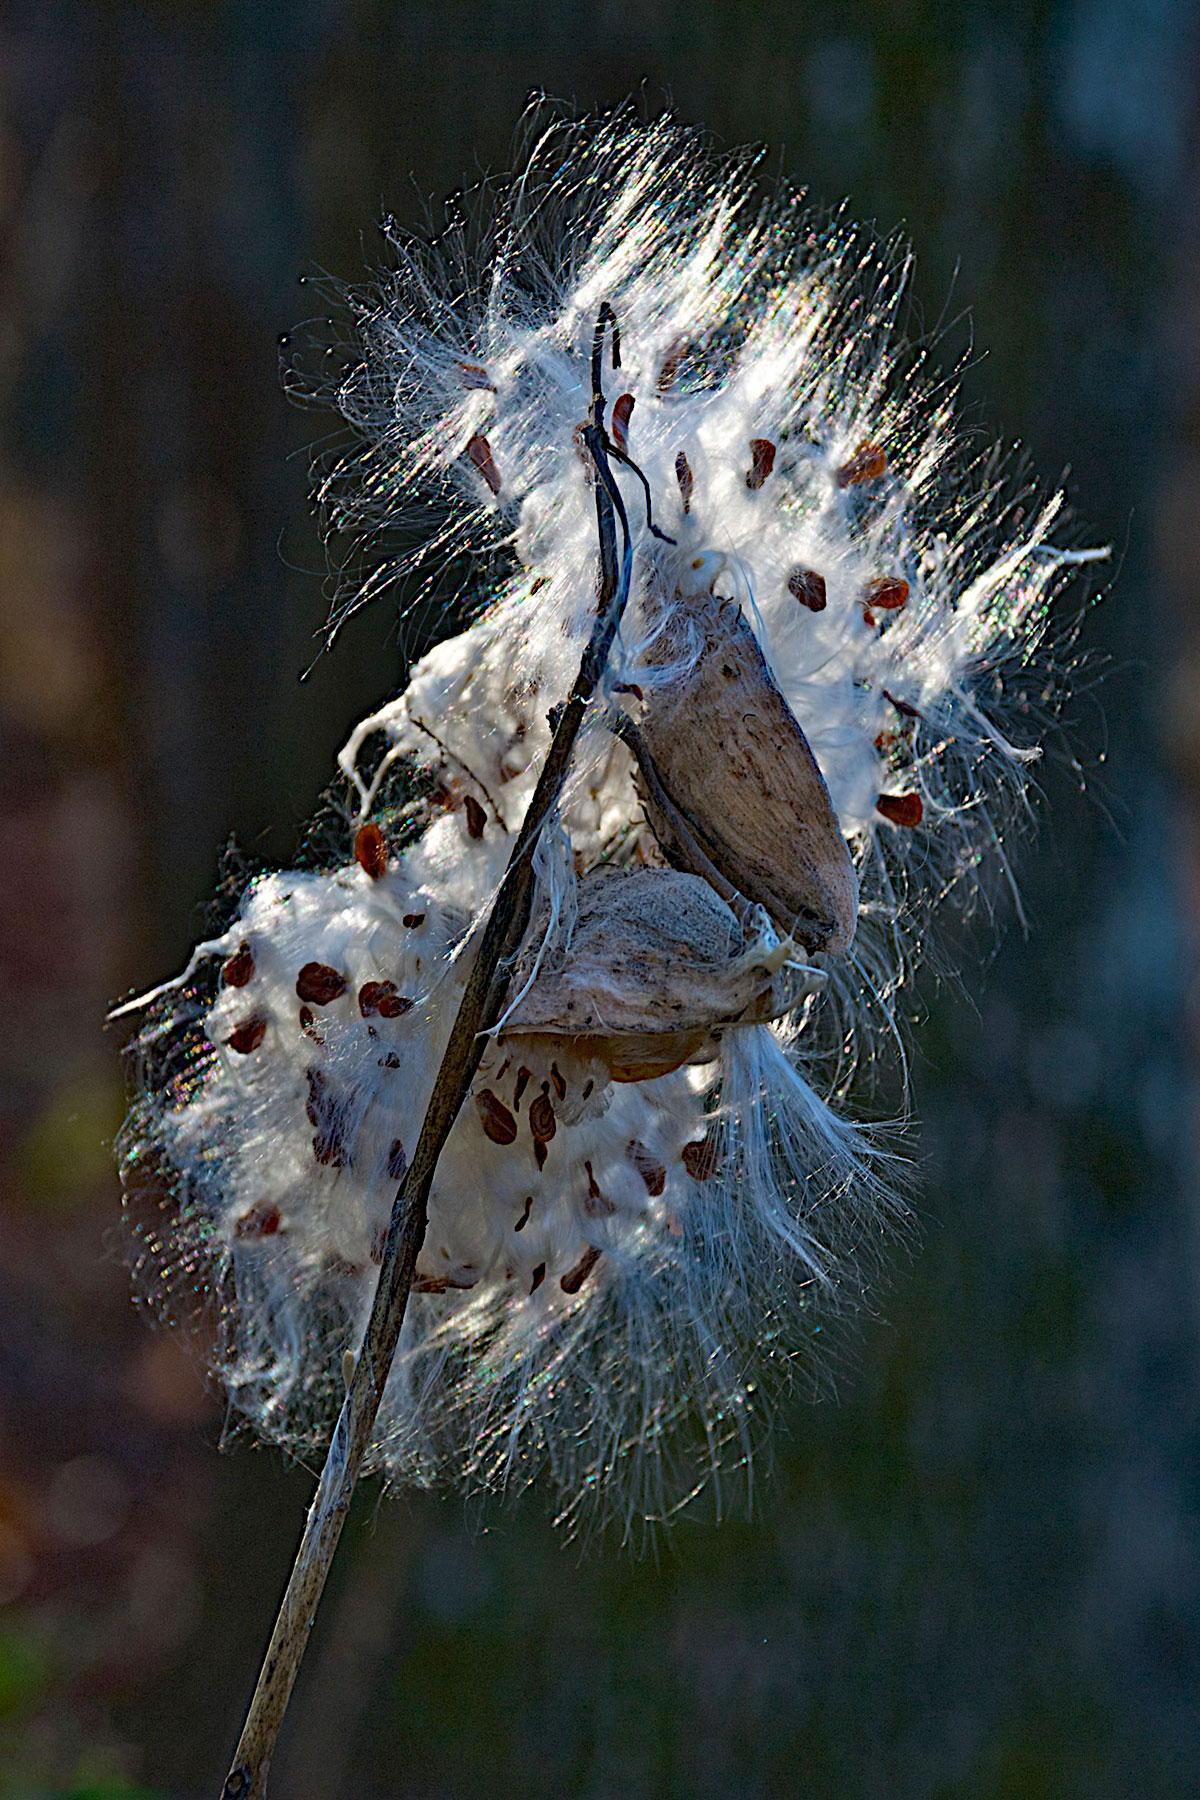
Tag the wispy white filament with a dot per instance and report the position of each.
(603, 1293)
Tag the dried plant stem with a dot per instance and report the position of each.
(478, 1011)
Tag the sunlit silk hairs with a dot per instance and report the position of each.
(815, 732)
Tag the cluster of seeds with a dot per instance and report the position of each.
(652, 1197)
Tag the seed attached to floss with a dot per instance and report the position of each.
(648, 1167)
(319, 984)
(573, 1280)
(497, 1122)
(260, 1222)
(247, 1036)
(762, 451)
(381, 997)
(867, 463)
(683, 475)
(901, 809)
(370, 850)
(622, 407)
(806, 586)
(476, 817)
(700, 1159)
(888, 594)
(239, 969)
(480, 453)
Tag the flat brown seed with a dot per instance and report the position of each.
(260, 1222)
(412, 920)
(700, 1159)
(523, 1221)
(394, 1006)
(476, 817)
(557, 1077)
(540, 1153)
(542, 1121)
(239, 969)
(867, 463)
(888, 594)
(480, 453)
(622, 407)
(683, 475)
(597, 1200)
(806, 586)
(901, 809)
(397, 1162)
(371, 993)
(495, 1118)
(647, 1166)
(247, 1036)
(370, 850)
(319, 984)
(573, 1280)
(539, 1275)
(902, 706)
(523, 1079)
(669, 368)
(762, 452)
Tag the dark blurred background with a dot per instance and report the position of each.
(977, 1575)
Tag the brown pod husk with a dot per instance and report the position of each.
(735, 766)
(656, 967)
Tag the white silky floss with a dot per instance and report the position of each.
(621, 1251)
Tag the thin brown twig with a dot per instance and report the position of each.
(478, 1011)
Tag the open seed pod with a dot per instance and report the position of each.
(727, 772)
(657, 965)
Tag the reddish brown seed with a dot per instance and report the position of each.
(498, 1123)
(320, 984)
(901, 809)
(539, 1275)
(556, 1076)
(540, 1153)
(622, 407)
(480, 453)
(806, 586)
(381, 997)
(239, 969)
(670, 367)
(260, 1222)
(247, 1036)
(762, 451)
(306, 1017)
(573, 1280)
(476, 817)
(683, 475)
(474, 376)
(542, 1122)
(902, 706)
(536, 586)
(397, 1162)
(597, 1200)
(700, 1159)
(647, 1166)
(523, 1078)
(370, 850)
(867, 463)
(390, 1061)
(888, 594)
(523, 1221)
(412, 920)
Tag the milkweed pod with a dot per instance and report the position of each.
(657, 963)
(732, 759)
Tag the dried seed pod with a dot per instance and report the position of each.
(732, 759)
(657, 963)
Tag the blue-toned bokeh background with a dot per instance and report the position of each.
(975, 1577)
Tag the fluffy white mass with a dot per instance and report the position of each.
(653, 1198)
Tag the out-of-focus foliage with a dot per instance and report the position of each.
(977, 1576)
